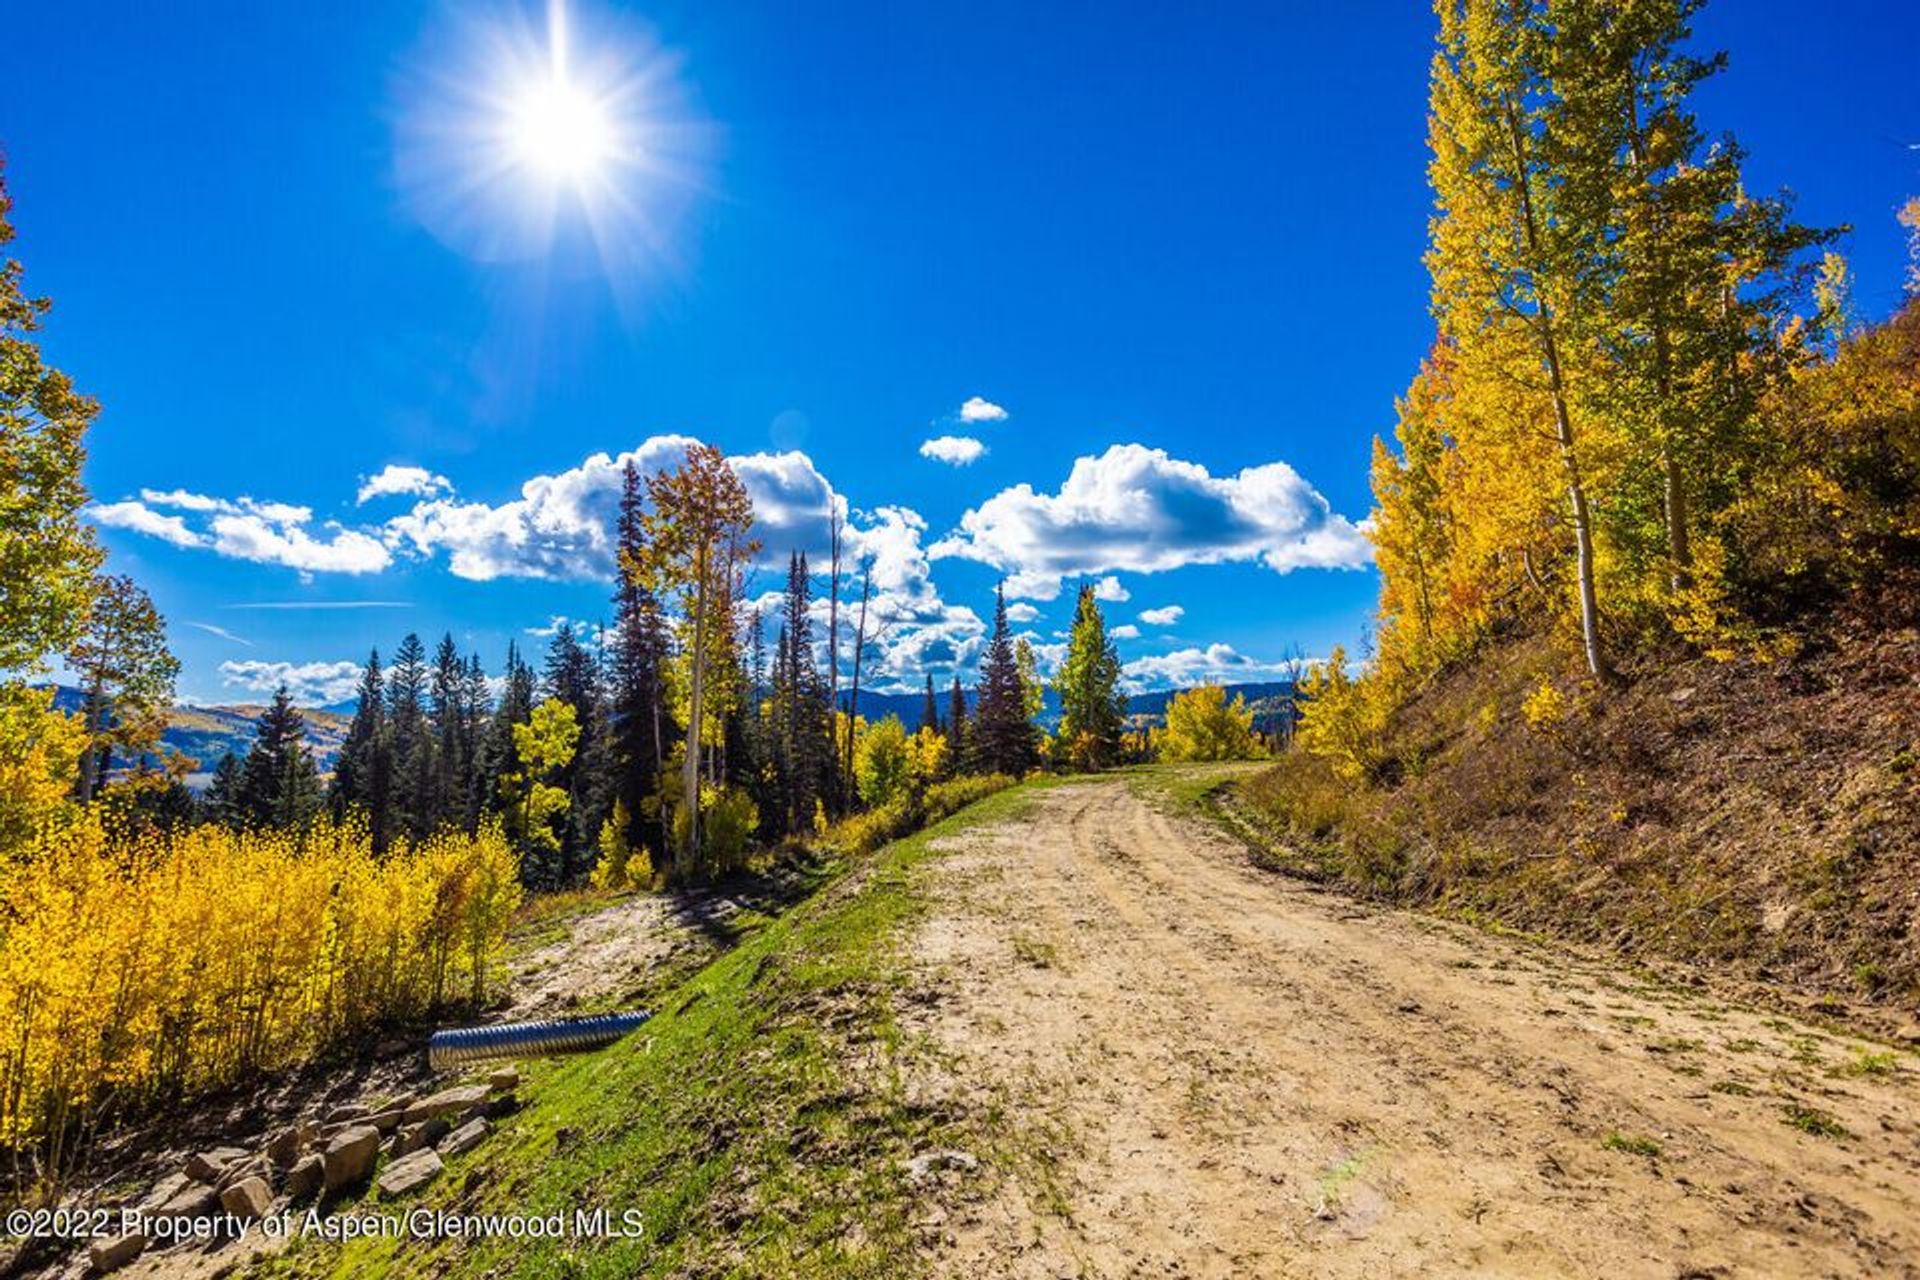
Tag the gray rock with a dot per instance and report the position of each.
(349, 1156)
(348, 1112)
(164, 1190)
(285, 1146)
(241, 1170)
(446, 1102)
(416, 1136)
(248, 1198)
(504, 1080)
(195, 1200)
(111, 1255)
(387, 1121)
(924, 1166)
(410, 1173)
(466, 1137)
(207, 1166)
(306, 1176)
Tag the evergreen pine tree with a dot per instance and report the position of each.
(930, 709)
(279, 786)
(957, 724)
(1091, 708)
(803, 747)
(221, 803)
(363, 775)
(1002, 737)
(413, 769)
(640, 721)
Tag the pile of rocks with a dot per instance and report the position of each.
(325, 1156)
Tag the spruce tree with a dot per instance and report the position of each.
(930, 709)
(221, 803)
(640, 721)
(957, 724)
(1091, 708)
(412, 741)
(1002, 736)
(279, 786)
(803, 747)
(363, 775)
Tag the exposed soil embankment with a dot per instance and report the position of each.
(1761, 819)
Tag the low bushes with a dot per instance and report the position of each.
(863, 833)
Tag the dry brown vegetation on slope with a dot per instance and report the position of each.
(1761, 817)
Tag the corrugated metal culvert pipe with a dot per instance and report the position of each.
(461, 1045)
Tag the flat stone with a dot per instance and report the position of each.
(195, 1200)
(349, 1111)
(241, 1170)
(349, 1156)
(504, 1080)
(207, 1166)
(446, 1102)
(306, 1176)
(111, 1255)
(164, 1190)
(410, 1173)
(466, 1137)
(248, 1198)
(416, 1136)
(387, 1121)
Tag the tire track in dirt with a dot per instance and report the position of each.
(1232, 1074)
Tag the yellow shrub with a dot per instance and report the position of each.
(1545, 708)
(156, 967)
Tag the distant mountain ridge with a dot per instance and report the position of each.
(204, 734)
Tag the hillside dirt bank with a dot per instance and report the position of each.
(1215, 1071)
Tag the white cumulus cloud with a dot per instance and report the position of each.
(247, 529)
(957, 451)
(309, 684)
(1021, 611)
(1184, 668)
(140, 518)
(1165, 616)
(1109, 589)
(1125, 631)
(980, 409)
(1140, 510)
(395, 480)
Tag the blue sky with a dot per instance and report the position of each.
(1178, 246)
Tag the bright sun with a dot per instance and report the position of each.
(560, 131)
(527, 135)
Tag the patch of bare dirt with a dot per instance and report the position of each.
(1219, 1072)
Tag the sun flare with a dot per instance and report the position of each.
(523, 137)
(560, 131)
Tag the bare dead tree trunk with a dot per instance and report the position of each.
(859, 653)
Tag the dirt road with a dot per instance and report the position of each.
(1214, 1071)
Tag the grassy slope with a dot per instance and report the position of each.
(758, 1122)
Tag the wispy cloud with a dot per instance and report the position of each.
(222, 632)
(323, 604)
